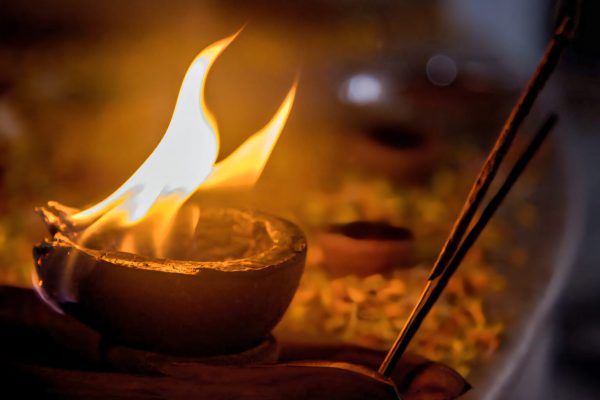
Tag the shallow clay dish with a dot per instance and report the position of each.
(366, 247)
(191, 308)
(403, 153)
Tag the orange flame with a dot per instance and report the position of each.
(184, 160)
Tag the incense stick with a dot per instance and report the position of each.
(521, 109)
(434, 289)
(503, 143)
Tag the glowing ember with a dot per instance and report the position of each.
(183, 161)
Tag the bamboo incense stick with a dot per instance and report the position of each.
(521, 109)
(488, 172)
(434, 289)
(518, 114)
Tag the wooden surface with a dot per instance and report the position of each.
(49, 355)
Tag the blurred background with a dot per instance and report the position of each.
(87, 88)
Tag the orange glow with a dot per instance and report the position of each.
(184, 161)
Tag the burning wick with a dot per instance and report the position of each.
(182, 163)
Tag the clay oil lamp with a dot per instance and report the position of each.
(366, 247)
(151, 275)
(399, 151)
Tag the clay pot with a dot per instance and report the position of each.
(400, 152)
(188, 308)
(365, 248)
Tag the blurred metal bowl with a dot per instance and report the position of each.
(520, 367)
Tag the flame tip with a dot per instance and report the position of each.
(184, 161)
